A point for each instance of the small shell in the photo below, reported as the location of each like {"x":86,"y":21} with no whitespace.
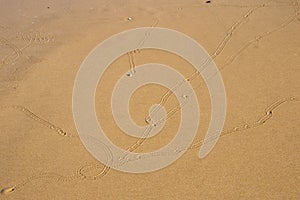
{"x":7,"y":190}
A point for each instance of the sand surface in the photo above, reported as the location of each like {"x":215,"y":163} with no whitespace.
{"x":256,"y":44}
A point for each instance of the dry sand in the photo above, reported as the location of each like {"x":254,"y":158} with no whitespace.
{"x":43,"y":44}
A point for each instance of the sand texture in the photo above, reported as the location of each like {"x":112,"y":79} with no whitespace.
{"x":254,"y":43}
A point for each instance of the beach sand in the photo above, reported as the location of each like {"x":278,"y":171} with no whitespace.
{"x":256,"y":47}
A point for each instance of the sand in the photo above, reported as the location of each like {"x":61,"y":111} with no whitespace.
{"x":256,"y":46}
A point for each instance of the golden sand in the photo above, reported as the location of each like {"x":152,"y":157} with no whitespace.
{"x":256,"y":46}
